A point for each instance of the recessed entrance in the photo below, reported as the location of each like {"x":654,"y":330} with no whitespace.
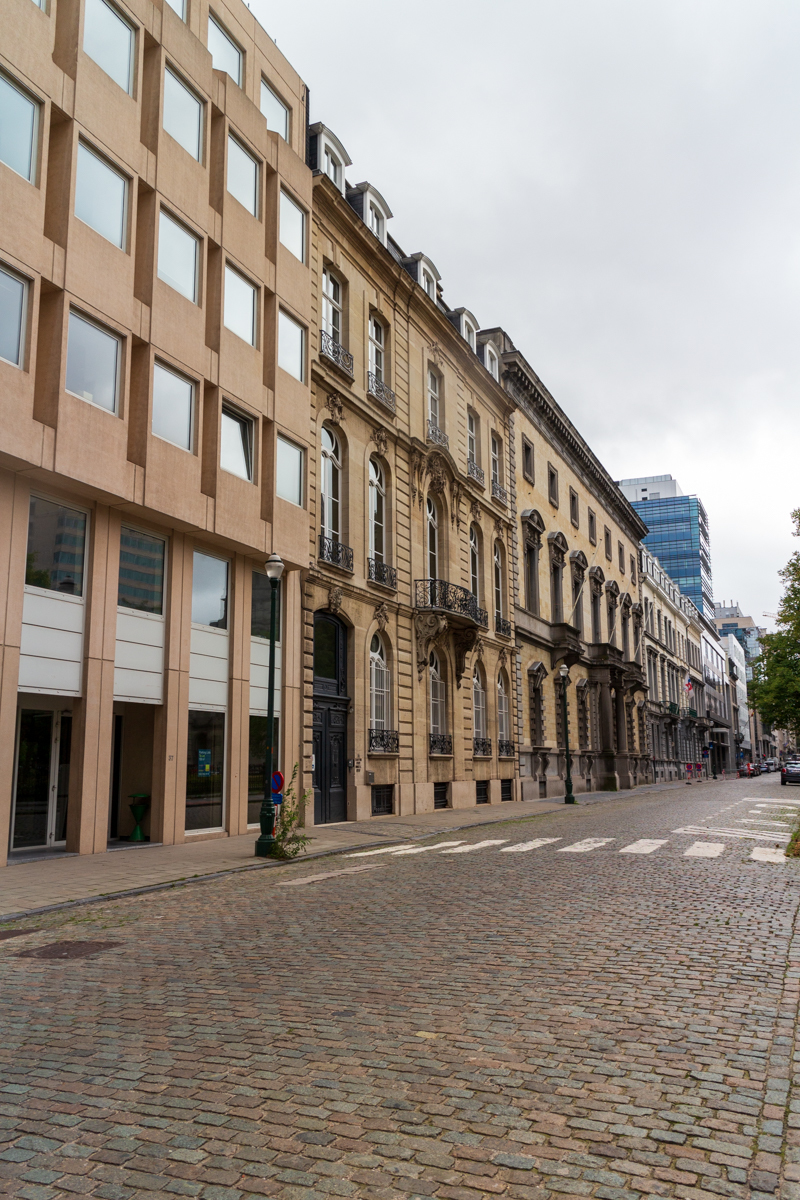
{"x":331,"y":705}
{"x":42,"y":779}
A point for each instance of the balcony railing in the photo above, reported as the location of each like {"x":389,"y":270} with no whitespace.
{"x":502,"y":626}
{"x":475,"y":472}
{"x":437,"y":436}
{"x":335,"y":352}
{"x":505,"y":749}
{"x":381,"y":572}
{"x":482,"y":747}
{"x":499,"y":493}
{"x":336,"y":553}
{"x":438,"y":593}
{"x":384,"y":741}
{"x":441,"y":743}
{"x":377,"y":388}
{"x":673,"y":708}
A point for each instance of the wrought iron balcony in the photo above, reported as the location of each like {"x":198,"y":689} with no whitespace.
{"x":437,"y":436}
{"x":438,"y":593}
{"x":482,"y":747}
{"x":336,"y":553}
{"x":475,"y":472}
{"x":335,"y":352}
{"x":673,"y":708}
{"x":441,"y":743}
{"x":499,"y":493}
{"x":384,"y":741}
{"x":377,"y":388}
{"x":502,"y":626}
{"x":381,"y":572}
{"x":505,"y":749}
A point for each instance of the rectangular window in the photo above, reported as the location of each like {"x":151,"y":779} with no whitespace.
{"x":93,"y":363}
{"x":260,"y":608}
{"x":173,"y":407}
{"x":621,"y":553}
{"x":13,"y":307}
{"x":141,"y":571}
{"x":633,"y":571}
{"x":236,"y":445}
{"x":19,"y":122}
{"x":293,"y":227}
{"x":242,"y":176}
{"x":205,"y":765}
{"x":496,"y":465}
{"x":177,"y":256}
{"x":275,"y":111}
{"x":225,"y":54}
{"x":183,"y":114}
{"x":289,"y":472}
{"x":291,"y":346}
{"x":109,"y":40}
{"x":607,"y":540}
{"x":376,"y":221}
{"x":377,"y":341}
{"x":552,"y":484}
{"x":527,"y":460}
{"x":592,"y":527}
{"x":259,"y":728}
{"x":56,"y":545}
{"x":210,"y":591}
{"x":240,"y":306}
{"x":573,"y":507}
{"x":101,"y":196}
{"x":179,"y":6}
{"x":472,"y":440}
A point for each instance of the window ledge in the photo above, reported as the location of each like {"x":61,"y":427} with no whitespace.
{"x":382,"y":587}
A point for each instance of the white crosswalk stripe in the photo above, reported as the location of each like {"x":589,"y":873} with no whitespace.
{"x":383,"y":850}
{"x":584,"y":846}
{"x":476,"y":846}
{"x":704,"y":850}
{"x":424,"y":849}
{"x":768,"y":854}
{"x":643,"y":846}
{"x":764,"y":835}
{"x":523,"y":847}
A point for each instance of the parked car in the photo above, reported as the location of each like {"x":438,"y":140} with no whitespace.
{"x":748,"y":770}
{"x":790,"y":772}
{"x":772,"y":764}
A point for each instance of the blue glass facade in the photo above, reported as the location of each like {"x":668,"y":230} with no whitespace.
{"x":678,"y":538}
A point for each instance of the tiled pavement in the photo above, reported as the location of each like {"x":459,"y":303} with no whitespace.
{"x":525,"y":1025}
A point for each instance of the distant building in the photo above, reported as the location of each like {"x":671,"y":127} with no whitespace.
{"x":678,"y":535}
{"x":737,"y":678}
{"x":732,"y":623}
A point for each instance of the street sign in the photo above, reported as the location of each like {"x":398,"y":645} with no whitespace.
{"x":277,"y":781}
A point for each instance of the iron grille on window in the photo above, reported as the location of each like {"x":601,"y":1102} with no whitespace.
{"x":475,"y":472}
{"x":335,"y":352}
{"x":506,"y":789}
{"x":441,"y":743}
{"x":499,"y":493}
{"x":502,"y":626}
{"x":482,"y":747}
{"x":438,"y":593}
{"x":437,"y":436}
{"x":381,"y":572}
{"x":481,"y":791}
{"x":383,"y":800}
{"x":505,"y":749}
{"x":384,"y":741}
{"x":440,"y":795}
{"x":334,"y":552}
{"x":377,"y":388}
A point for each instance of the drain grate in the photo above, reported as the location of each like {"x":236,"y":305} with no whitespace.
{"x":62,"y":950}
{"x":9,"y":933}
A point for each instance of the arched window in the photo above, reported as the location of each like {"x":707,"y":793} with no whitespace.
{"x":474,"y":563}
{"x":438,"y":698}
{"x":377,"y":348}
{"x":478,"y":706}
{"x":377,"y":512}
{"x":379,"y":686}
{"x":503,"y":720}
{"x":433,"y":399}
{"x":331,"y":485}
{"x":433,"y":540}
{"x":498,"y":582}
{"x":331,"y":306}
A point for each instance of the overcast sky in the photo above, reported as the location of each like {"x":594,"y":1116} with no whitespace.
{"x":616,"y":183}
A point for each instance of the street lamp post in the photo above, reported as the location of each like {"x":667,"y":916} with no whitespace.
{"x":563,"y":671}
{"x":266,"y":842}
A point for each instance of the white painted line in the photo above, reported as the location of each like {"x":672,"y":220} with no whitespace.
{"x":476,"y":846}
{"x":767,"y":835}
{"x":705,"y":850}
{"x":761,"y":821}
{"x":524,"y":847}
{"x":643,"y":846}
{"x":383,"y":850}
{"x":584,"y":846}
{"x":767,"y":854}
{"x":329,"y":875}
{"x":425,"y":849}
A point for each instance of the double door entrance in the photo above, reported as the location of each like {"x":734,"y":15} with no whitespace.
{"x":330,"y":763}
{"x":42,"y":778}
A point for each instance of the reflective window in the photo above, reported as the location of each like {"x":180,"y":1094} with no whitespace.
{"x":331,"y":306}
{"x":291,"y":346}
{"x":377,"y":340}
{"x":101,"y":195}
{"x":141,"y":571}
{"x":275,"y":111}
{"x":503,"y":722}
{"x":433,"y":398}
{"x":93,"y":359}
{"x":259,"y":739}
{"x":377,"y":511}
{"x":478,"y":705}
{"x":472,"y":442}
{"x":438,"y":696}
{"x":210,"y":590}
{"x":379,"y":686}
{"x":293,"y":227}
{"x":183,"y":114}
{"x":240,"y":306}
{"x":433,"y":540}
{"x":173,"y":407}
{"x":236,"y":445}
{"x":260,"y":608}
{"x":225,"y":54}
{"x":13,"y":294}
{"x":19,"y":119}
{"x":205,"y":764}
{"x":179,"y":7}
{"x":56,"y":545}
{"x":331,"y":484}
{"x":289,"y":471}
{"x":242,"y":176}
{"x":109,"y":40}
{"x":177,"y":256}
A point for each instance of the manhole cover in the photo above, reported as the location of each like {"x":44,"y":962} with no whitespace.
{"x":9,"y":933}
{"x":68,"y":949}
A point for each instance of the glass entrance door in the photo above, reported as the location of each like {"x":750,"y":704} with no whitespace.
{"x":40,"y":803}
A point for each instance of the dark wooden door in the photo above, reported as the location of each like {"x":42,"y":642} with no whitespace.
{"x":330,"y":763}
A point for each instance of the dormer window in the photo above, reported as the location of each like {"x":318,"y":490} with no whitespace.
{"x":467,"y":326}
{"x":470,"y":333}
{"x":429,"y":284}
{"x":332,"y":167}
{"x":327,"y":155}
{"x":492,"y":362}
{"x":376,"y":221}
{"x":370,"y":205}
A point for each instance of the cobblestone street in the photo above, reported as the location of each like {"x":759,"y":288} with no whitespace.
{"x":586,"y":1003}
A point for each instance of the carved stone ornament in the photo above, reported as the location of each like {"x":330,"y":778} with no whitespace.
{"x":334,"y":599}
{"x":498,"y":528}
{"x":379,"y":438}
{"x":537,"y":673}
{"x":463,"y":644}
{"x":381,"y":615}
{"x":416,"y":476}
{"x":475,"y":510}
{"x":478,"y":648}
{"x":429,"y":629}
{"x":435,"y":352}
{"x":335,"y":408}
{"x":455,"y":508}
{"x":436,"y":473}
{"x":502,"y":657}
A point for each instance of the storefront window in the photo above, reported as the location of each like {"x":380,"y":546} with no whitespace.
{"x":205,"y":781}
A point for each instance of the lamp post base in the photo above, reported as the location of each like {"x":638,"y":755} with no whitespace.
{"x":265,"y":846}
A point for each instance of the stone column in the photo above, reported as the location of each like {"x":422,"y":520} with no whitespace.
{"x":607,"y":780}
{"x":623,"y":763}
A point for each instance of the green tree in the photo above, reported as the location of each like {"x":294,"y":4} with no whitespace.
{"x":775,"y":687}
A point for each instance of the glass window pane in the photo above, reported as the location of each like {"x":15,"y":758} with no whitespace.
{"x":56,"y":542}
{"x":204,"y":770}
{"x":235,"y":444}
{"x":325,"y":650}
{"x":173,"y":407}
{"x":179,"y":6}
{"x":17,"y":129}
{"x":92,"y":363}
{"x":12,"y":312}
{"x":240,"y":306}
{"x":293,"y":227}
{"x":259,"y":613}
{"x":183,"y":115}
{"x":259,"y":727}
{"x":100,"y":194}
{"x":291,"y":346}
{"x":242,"y":176}
{"x":109,"y":41}
{"x":289,"y":472}
{"x":275,"y":111}
{"x":141,"y":571}
{"x":177,"y":257}
{"x":225,"y":54}
{"x":210,"y":591}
